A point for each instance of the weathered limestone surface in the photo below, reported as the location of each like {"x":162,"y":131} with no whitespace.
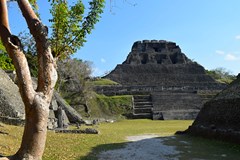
{"x":11,"y":104}
{"x":220,"y":117}
{"x":178,"y":86}
{"x":177,"y":105}
{"x":155,"y":52}
{"x":159,"y":63}
{"x":12,"y":107}
{"x":71,"y":113}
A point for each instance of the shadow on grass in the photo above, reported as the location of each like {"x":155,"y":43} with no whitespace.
{"x":190,"y":147}
{"x":180,"y":147}
{"x":93,"y":155}
{"x":138,"y":149}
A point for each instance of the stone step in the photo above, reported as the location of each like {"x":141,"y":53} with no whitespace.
{"x":142,"y":116}
{"x":142,"y":97}
{"x":143,"y":106}
{"x":142,"y":110}
{"x":142,"y":100}
{"x":142,"y":103}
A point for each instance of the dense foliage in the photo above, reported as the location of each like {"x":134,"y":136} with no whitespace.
{"x":222,"y":75}
{"x":71,"y":24}
{"x":2,"y":48}
{"x":73,"y":81}
{"x":5,"y":61}
{"x":73,"y":74}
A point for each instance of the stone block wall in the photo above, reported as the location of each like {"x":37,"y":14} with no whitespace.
{"x":152,"y":74}
{"x":178,"y":104}
{"x":179,"y":87}
{"x":219,"y":118}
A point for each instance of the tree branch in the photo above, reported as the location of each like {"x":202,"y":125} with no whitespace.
{"x":47,"y":75}
{"x":13,"y":47}
{"x":4,"y":28}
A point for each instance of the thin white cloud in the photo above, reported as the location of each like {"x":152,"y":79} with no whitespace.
{"x":220,"y":52}
{"x":231,"y":57}
{"x":103,"y":60}
{"x":237,"y":37}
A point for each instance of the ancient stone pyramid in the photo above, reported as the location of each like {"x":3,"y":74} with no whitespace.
{"x":160,"y":63}
{"x":176,"y":86}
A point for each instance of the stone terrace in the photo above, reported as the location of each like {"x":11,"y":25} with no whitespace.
{"x":178,"y":86}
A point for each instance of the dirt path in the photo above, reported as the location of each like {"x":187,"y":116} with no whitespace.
{"x":142,"y":147}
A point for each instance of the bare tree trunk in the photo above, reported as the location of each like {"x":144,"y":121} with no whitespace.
{"x":36,"y":102}
{"x":35,"y":131}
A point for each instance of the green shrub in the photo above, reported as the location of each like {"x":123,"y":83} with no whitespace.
{"x":221,"y":75}
{"x":6,"y":62}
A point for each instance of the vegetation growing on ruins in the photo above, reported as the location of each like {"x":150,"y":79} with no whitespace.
{"x":221,"y":75}
{"x":103,"y":82}
{"x":110,"y":106}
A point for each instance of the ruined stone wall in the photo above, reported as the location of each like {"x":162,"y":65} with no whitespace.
{"x":159,"y":68}
{"x":219,"y":118}
{"x":159,"y":63}
{"x":155,"y":52}
{"x":177,"y":104}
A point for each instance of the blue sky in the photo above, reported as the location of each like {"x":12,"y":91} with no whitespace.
{"x":207,"y":31}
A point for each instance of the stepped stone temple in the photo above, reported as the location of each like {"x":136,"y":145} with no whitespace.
{"x":164,"y":82}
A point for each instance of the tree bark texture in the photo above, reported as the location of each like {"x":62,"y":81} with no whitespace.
{"x":36,"y":101}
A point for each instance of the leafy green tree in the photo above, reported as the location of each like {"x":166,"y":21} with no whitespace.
{"x":222,"y":75}
{"x":69,"y":29}
{"x":37,"y":101}
{"x":73,"y":82}
{"x":73,"y":74}
{"x":70,"y":26}
{"x":2,"y":48}
{"x":5,"y":61}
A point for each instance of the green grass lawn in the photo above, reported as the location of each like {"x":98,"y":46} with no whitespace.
{"x":103,"y":82}
{"x":78,"y":146}
{"x":85,"y":147}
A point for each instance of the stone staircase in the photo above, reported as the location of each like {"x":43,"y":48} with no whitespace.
{"x":142,"y":106}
